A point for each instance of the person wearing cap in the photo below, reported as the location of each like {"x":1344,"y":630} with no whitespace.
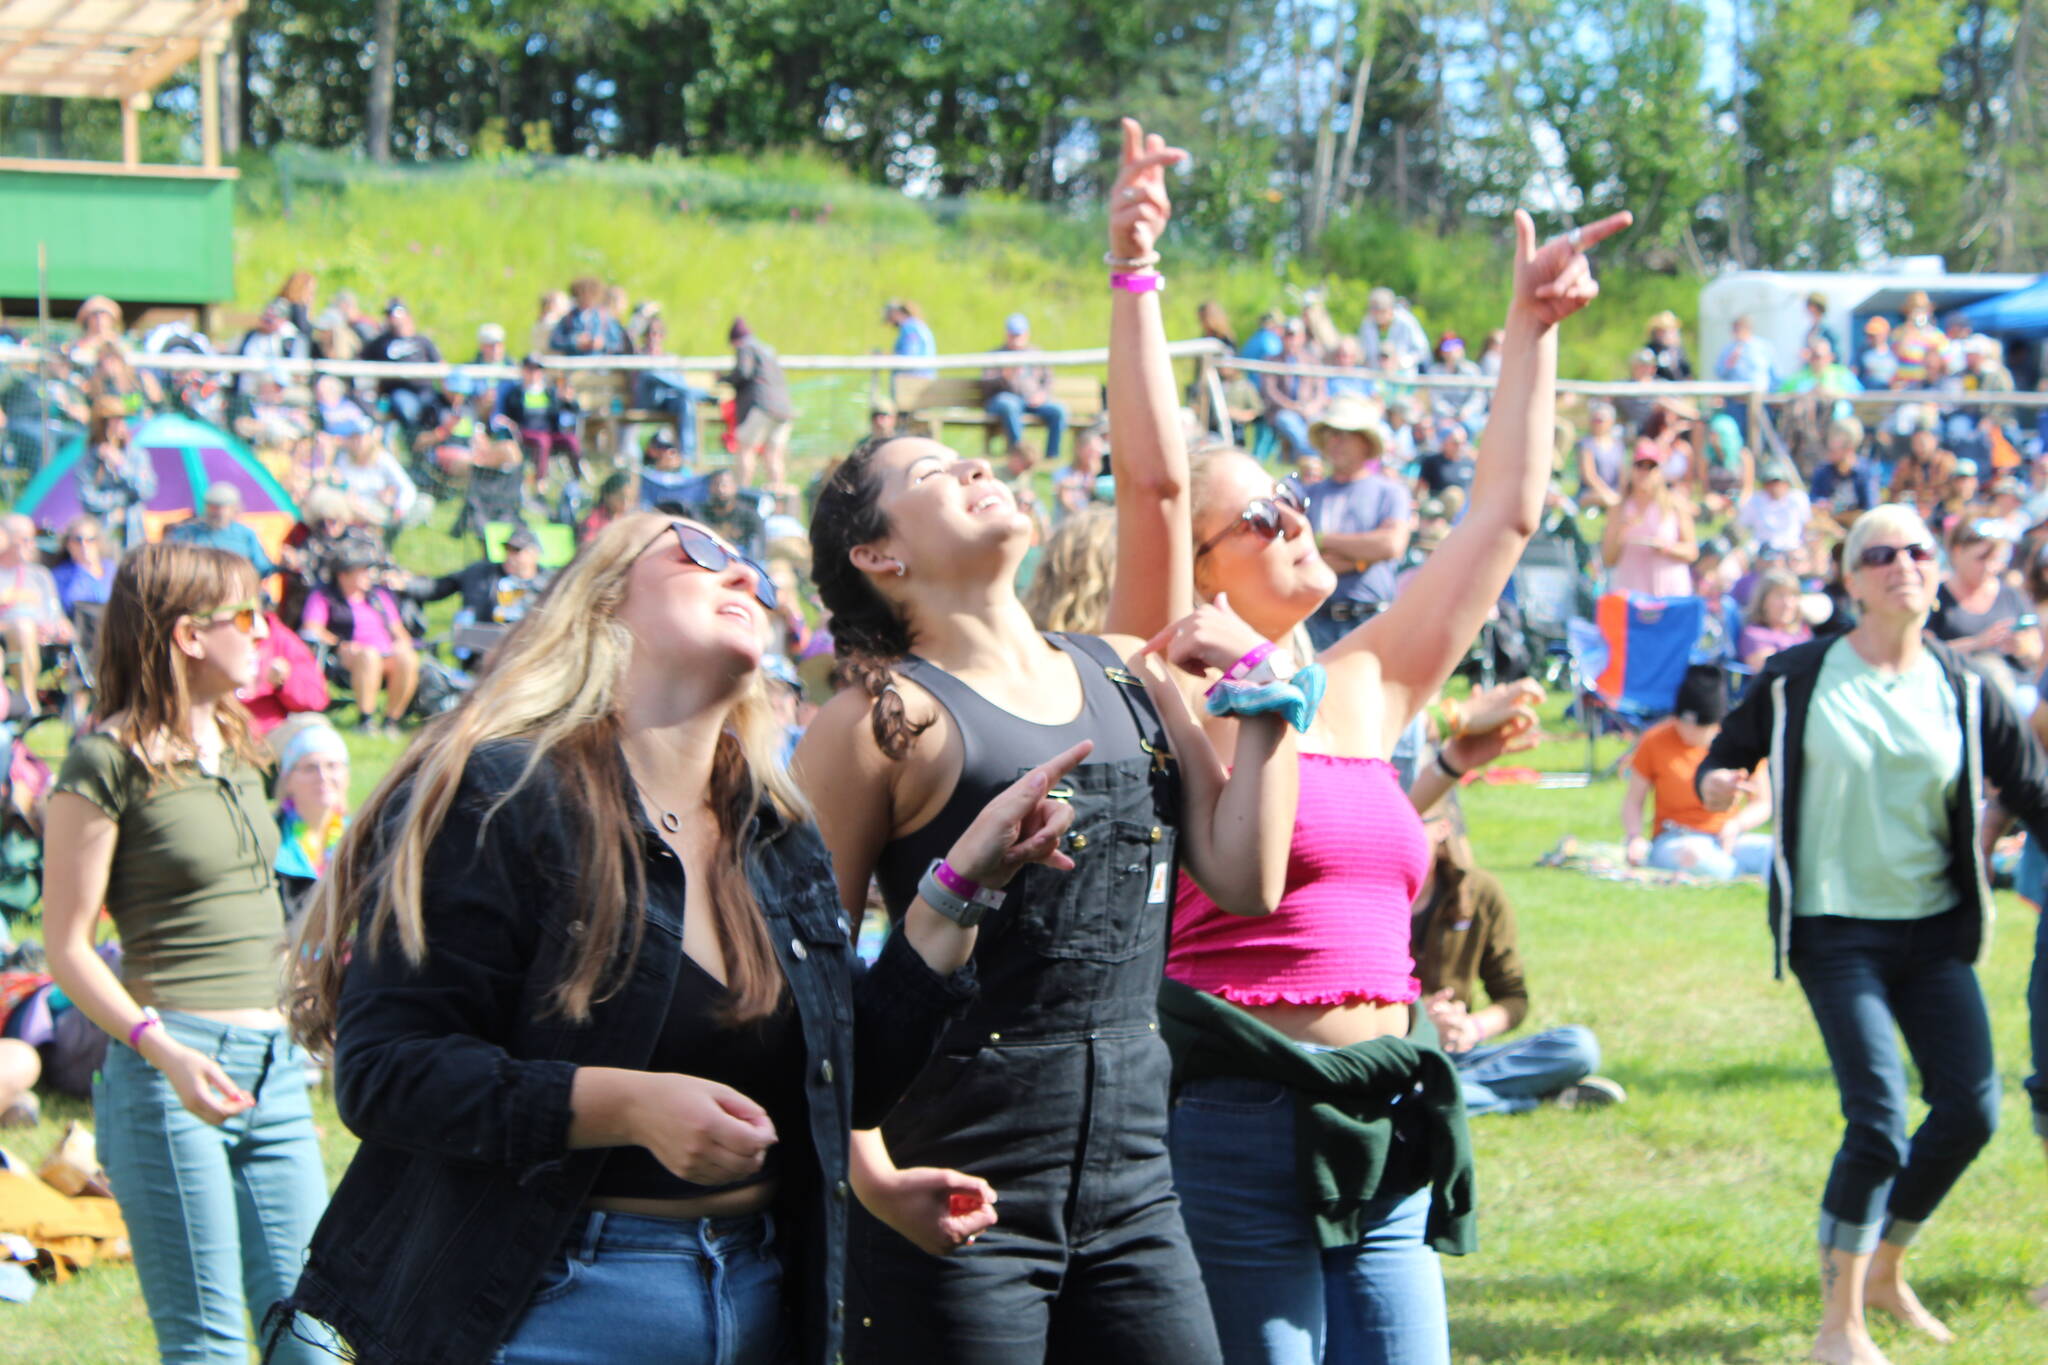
{"x":913,"y":336}
{"x":219,"y":526}
{"x":99,"y":327}
{"x":413,"y":401}
{"x":1845,"y":484}
{"x":1958,"y":499}
{"x":1667,"y":343}
{"x":360,"y":620}
{"x":667,"y":484}
{"x":1914,"y":340}
{"x":1776,"y":514}
{"x":490,"y":345}
{"x":1011,"y":393}
{"x":1266,"y":340}
{"x":547,"y":416}
{"x":761,"y":410}
{"x":1817,"y":324}
{"x":491,"y":593}
{"x":1452,"y":465}
{"x":1979,"y":614}
{"x":1389,"y":337}
{"x":1876,"y":366}
{"x":1465,"y":406}
{"x":272,"y":338}
{"x":1292,"y":400}
{"x":312,"y":808}
{"x":1360,"y":516}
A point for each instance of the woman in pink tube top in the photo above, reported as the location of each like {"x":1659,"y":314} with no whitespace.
{"x":1317,"y":1136}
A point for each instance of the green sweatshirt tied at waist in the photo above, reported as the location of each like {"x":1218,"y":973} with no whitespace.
{"x":1343,"y":1126}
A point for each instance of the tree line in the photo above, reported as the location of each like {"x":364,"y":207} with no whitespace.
{"x":1769,"y":133}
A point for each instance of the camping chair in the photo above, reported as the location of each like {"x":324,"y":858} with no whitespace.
{"x":1548,"y":586}
{"x":1628,"y":661}
{"x":494,"y":495}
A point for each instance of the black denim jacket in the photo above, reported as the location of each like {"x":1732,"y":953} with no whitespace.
{"x":456,"y":1077}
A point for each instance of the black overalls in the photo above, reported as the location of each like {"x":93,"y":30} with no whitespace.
{"x":1053,"y":1088}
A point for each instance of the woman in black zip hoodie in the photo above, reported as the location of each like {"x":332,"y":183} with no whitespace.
{"x":1881,"y":743}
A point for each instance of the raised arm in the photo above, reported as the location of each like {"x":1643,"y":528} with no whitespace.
{"x":1147,"y":456}
{"x":1431,"y":624}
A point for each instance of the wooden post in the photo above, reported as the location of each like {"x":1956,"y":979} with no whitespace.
{"x":209,"y":105}
{"x":131,"y":131}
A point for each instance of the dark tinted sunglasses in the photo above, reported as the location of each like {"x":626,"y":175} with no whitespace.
{"x":1878,"y":556}
{"x":1263,"y":515}
{"x":707,"y":552}
{"x":1648,"y":464}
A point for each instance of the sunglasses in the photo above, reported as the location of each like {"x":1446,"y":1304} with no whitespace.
{"x":245,"y":614}
{"x":1878,"y":556}
{"x":707,"y":552}
{"x":1263,"y":515}
{"x":1648,"y":464}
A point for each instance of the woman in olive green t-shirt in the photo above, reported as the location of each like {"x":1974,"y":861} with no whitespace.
{"x":158,"y":814}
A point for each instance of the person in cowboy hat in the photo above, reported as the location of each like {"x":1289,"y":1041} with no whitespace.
{"x":1360,"y":515}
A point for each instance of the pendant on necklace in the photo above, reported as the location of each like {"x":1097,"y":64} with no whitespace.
{"x":671,"y":822}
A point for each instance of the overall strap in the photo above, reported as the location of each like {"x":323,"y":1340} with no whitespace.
{"x":1130,"y":687}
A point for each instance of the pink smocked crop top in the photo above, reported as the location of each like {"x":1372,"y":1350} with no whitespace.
{"x":1340,"y":933}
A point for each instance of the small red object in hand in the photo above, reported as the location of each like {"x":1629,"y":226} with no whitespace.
{"x":960,"y":1203}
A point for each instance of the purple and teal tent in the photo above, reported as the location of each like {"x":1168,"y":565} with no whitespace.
{"x":188,"y":456}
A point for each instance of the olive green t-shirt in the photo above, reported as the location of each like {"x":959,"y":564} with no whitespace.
{"x":191,"y":887}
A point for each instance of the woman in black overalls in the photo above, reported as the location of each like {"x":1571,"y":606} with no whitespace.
{"x":1053,"y":1090}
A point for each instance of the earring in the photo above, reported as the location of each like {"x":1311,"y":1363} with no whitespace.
{"x":901,"y":568}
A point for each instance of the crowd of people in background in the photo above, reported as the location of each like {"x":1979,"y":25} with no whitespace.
{"x":1315,"y":504}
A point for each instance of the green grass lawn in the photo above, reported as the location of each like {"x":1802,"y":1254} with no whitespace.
{"x":1676,"y":1228}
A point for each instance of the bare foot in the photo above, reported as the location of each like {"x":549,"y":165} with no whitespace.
{"x":1897,"y":1298}
{"x":1846,"y":1346}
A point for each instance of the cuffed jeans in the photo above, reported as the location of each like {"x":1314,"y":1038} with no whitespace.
{"x":1864,"y":979}
{"x":1683,"y":850}
{"x":1514,"y":1077}
{"x":624,"y":1289}
{"x":1010,"y":409}
{"x":219,"y":1217}
{"x":1280,"y":1298}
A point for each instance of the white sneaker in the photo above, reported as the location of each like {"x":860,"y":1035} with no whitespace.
{"x":1594,"y":1092}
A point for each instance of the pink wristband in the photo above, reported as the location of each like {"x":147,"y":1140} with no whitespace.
{"x":148,"y":1021}
{"x":1137,"y":281}
{"x":954,"y":882}
{"x":1255,"y":656}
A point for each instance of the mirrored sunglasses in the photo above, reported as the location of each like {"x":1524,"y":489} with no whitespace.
{"x":707,"y":552}
{"x":1263,"y":515}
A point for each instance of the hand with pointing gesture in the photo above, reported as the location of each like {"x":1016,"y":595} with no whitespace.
{"x":1554,"y":281}
{"x":1208,"y":639}
{"x":1022,"y":825}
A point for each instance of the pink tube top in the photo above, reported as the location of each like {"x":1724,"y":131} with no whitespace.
{"x":1340,"y":933}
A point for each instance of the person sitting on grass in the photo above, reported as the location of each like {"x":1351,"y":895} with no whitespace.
{"x":492,"y":593}
{"x":1464,"y":933}
{"x":360,"y":619}
{"x":1687,"y":836}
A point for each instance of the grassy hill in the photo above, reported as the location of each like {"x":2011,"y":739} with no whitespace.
{"x":807,"y":254}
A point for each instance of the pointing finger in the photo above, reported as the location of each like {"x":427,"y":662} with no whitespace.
{"x":1592,"y":234}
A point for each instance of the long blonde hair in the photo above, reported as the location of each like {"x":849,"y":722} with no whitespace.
{"x":554,"y":682}
{"x":1070,"y":590}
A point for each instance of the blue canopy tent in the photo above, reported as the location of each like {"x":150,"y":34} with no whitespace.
{"x":2022,"y":313}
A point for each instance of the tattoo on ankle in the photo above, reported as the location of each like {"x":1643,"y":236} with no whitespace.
{"x":1828,"y":1273}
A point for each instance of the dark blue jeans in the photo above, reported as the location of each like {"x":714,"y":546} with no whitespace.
{"x":2033,"y":884}
{"x":1010,"y":409}
{"x":1870,"y":981}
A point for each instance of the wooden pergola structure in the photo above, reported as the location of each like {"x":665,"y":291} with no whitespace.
{"x":119,"y":50}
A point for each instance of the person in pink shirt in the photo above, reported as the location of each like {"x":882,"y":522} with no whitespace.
{"x":288,"y":679}
{"x":360,"y":618}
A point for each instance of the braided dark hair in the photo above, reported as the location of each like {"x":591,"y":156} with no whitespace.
{"x":868,"y":632}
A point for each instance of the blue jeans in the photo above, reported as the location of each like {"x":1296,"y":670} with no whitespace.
{"x":1682,"y":850}
{"x":1278,"y":1297}
{"x":1513,"y":1078}
{"x":1292,"y":429}
{"x":1869,"y":981}
{"x":682,"y":1291}
{"x":676,"y":396}
{"x":1010,"y":409}
{"x":2033,"y":884}
{"x":219,"y":1217}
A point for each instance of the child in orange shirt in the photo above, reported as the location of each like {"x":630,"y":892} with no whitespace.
{"x":1686,"y":836}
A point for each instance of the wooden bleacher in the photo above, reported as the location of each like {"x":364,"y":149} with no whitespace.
{"x":606,"y":398}
{"x":932,"y":405}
